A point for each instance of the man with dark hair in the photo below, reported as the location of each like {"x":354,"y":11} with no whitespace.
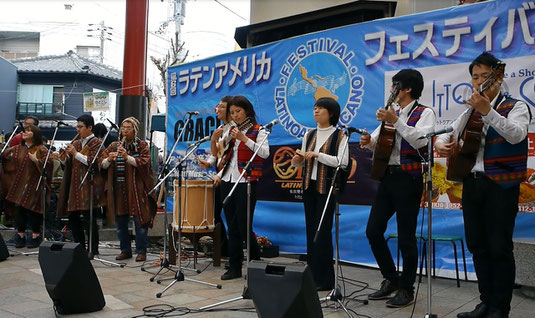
{"x":401,"y":187}
{"x":73,"y":200}
{"x":491,"y":188}
{"x":28,"y":121}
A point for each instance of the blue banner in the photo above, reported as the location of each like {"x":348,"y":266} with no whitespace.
{"x":354,"y":65}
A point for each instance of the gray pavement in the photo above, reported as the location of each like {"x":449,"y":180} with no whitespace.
{"x":128,"y":290}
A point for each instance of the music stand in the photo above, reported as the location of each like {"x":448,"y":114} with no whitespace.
{"x":429,"y":184}
{"x":335,"y":294}
{"x":247,"y":169}
{"x":165,"y":261}
{"x":90,"y":173}
{"x":179,"y":275}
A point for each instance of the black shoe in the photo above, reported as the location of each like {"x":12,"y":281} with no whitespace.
{"x":387,"y":288}
{"x":403,"y":298}
{"x":231,"y":274}
{"x":479,"y":312}
{"x":20,"y":242}
{"x":496,"y":313}
{"x":34,"y":242}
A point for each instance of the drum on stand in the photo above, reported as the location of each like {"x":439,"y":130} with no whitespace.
{"x":197,"y":205}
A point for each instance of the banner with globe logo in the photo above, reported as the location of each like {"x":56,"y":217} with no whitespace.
{"x":354,"y":65}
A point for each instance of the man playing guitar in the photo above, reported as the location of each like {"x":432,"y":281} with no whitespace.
{"x":401,"y":186}
{"x":491,"y":187}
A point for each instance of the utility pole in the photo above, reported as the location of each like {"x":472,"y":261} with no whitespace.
{"x":103,"y":33}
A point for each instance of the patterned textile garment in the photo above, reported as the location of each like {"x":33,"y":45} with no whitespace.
{"x":71,"y":197}
{"x":131,"y":196}
{"x":23,"y":188}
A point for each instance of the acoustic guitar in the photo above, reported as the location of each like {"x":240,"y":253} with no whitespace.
{"x":385,"y":142}
{"x":223,"y":144}
{"x":227,"y":150}
{"x":464,"y":156}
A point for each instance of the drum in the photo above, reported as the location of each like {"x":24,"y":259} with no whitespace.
{"x":197,"y":198}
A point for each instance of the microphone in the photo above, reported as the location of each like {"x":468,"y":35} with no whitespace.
{"x":60,"y":123}
{"x":444,"y":130}
{"x":113,"y":125}
{"x":355,"y":130}
{"x":205,"y":139}
{"x":193,"y":113}
{"x":270,"y":124}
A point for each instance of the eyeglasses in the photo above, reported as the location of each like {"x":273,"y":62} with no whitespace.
{"x":127,"y":128}
{"x":80,"y":126}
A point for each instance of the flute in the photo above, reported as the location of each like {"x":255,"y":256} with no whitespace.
{"x":63,"y":152}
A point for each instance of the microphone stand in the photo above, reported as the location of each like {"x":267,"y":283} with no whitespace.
{"x":247,"y":169}
{"x":336,"y":294}
{"x":90,"y":173}
{"x":429,"y":184}
{"x":179,"y":275}
{"x":6,"y":145}
{"x":165,"y":261}
{"x":43,"y":180}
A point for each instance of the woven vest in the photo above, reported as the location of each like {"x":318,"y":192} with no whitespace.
{"x":505,"y":163}
{"x":245,"y":154}
{"x":410,"y":160}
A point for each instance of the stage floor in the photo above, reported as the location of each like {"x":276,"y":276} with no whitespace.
{"x":128,"y":290}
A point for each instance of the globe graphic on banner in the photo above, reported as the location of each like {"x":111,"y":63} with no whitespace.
{"x":319,"y":75}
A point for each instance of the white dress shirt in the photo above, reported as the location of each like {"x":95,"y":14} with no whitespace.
{"x":232,"y":173}
{"x":423,"y":126}
{"x":79,"y":156}
{"x":514,"y":128}
{"x":332,"y":161}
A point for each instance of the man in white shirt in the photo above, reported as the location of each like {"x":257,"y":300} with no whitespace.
{"x":401,"y":187}
{"x":491,"y":189}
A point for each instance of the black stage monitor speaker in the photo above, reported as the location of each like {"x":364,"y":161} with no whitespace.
{"x":70,"y":279}
{"x":283,"y":291}
{"x":4,"y":253}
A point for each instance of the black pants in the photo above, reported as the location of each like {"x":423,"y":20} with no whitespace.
{"x":218,"y":209}
{"x":398,"y":193}
{"x":236,"y":215}
{"x":25,"y":215}
{"x":489,"y":220}
{"x":320,"y":253}
{"x":77,"y":228}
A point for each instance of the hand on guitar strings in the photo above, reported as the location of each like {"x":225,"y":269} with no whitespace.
{"x":387,"y":115}
{"x":446,"y":149}
{"x":238,"y":134}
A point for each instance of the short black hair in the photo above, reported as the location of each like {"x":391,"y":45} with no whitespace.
{"x":484,"y":58}
{"x":100,"y":130}
{"x":410,"y":78}
{"x":226,"y":99}
{"x":332,"y":106}
{"x":242,"y":102}
{"x":87,"y":120}
{"x":35,"y":120}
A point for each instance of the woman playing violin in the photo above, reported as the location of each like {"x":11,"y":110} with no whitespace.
{"x":246,"y":139}
{"x":28,"y":158}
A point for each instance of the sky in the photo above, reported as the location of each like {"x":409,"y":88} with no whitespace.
{"x":208,"y":26}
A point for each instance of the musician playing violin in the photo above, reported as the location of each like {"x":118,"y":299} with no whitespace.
{"x":217,"y":137}
{"x":28,"y":158}
{"x":73,"y":200}
{"x":491,"y":189}
{"x":401,"y":187}
{"x":247,"y":137}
